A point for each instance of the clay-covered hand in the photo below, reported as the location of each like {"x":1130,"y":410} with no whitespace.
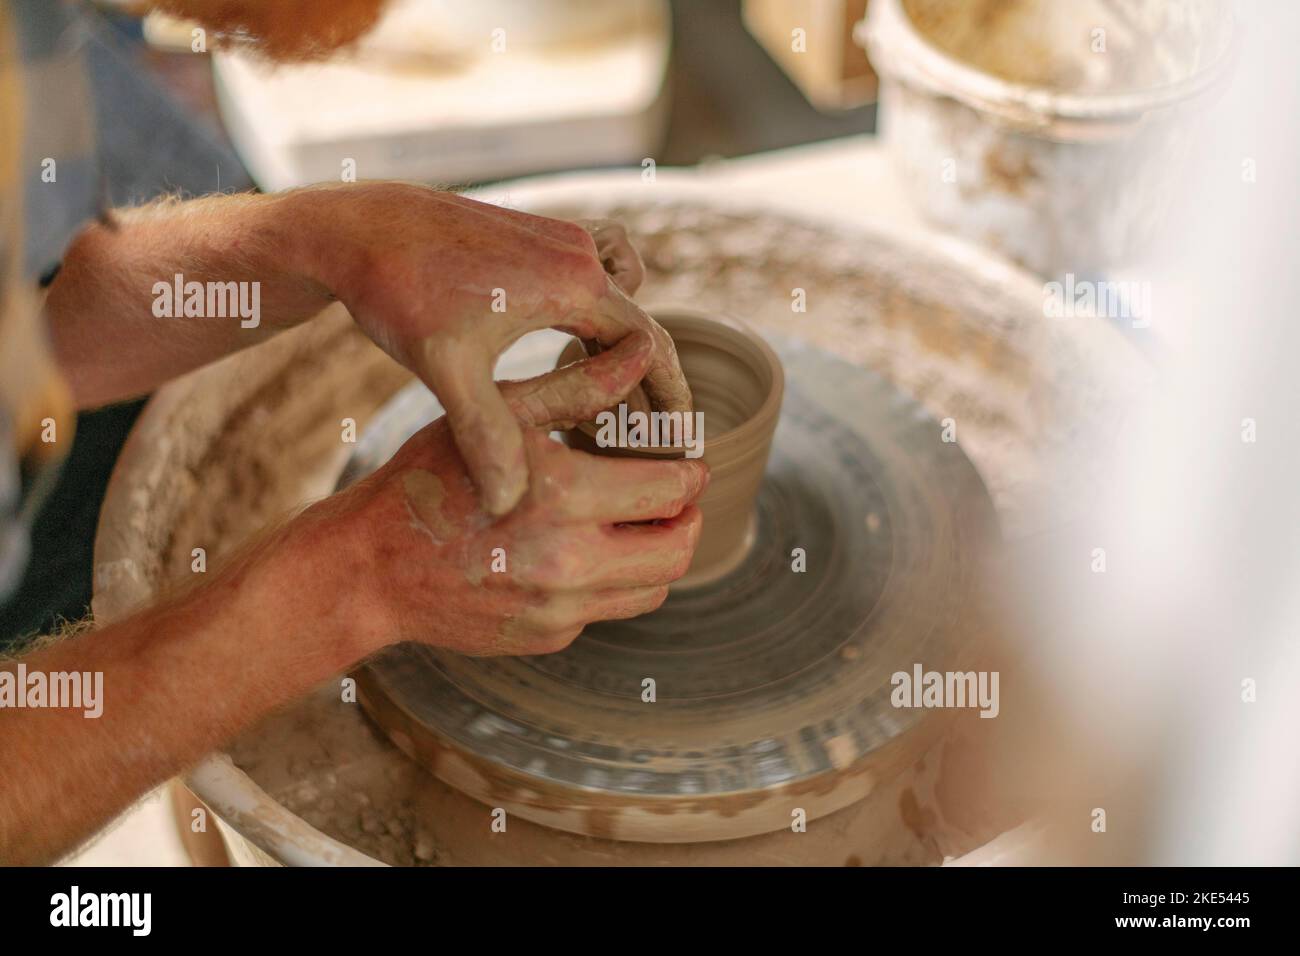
{"x":444,"y":284}
{"x":443,"y":571}
{"x":617,"y":255}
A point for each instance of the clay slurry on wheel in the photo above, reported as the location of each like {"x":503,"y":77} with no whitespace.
{"x":771,"y":685}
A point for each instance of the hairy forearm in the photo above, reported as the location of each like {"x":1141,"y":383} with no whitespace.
{"x":120,"y":330}
{"x":178,"y":680}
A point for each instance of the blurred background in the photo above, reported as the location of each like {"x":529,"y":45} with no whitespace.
{"x":683,"y":82}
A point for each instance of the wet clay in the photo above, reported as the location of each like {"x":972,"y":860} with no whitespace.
{"x":424,"y":496}
{"x":737,"y":384}
{"x":1083,"y":46}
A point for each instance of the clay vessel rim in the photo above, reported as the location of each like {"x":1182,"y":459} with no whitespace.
{"x":744,"y":432}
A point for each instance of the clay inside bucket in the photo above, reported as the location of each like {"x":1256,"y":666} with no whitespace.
{"x":737,"y":384}
{"x":1085,"y":46}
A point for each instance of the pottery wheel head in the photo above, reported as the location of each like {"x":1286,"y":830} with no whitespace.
{"x":740,"y":702}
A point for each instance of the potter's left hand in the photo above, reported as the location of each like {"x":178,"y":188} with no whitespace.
{"x":595,"y":538}
{"x":444,"y":284}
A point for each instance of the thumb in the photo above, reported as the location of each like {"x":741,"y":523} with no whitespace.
{"x":579,"y":392}
{"x":636,"y":398}
{"x":487,"y":434}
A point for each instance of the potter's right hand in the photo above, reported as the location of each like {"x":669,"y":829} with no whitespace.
{"x":579,"y":547}
{"x":444,"y":284}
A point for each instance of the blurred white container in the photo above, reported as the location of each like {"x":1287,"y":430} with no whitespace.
{"x":442,"y":95}
{"x":1047,"y":130}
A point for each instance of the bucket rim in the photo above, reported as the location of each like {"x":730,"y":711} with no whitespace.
{"x":900,"y":52}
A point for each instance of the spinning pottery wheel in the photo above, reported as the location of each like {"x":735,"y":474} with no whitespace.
{"x":771,"y":686}
{"x":858,"y":477}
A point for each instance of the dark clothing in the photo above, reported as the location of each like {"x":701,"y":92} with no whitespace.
{"x":117,"y":139}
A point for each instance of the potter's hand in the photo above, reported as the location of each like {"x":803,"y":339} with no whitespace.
{"x":446,"y":573}
{"x":617,"y":255}
{"x":444,"y":284}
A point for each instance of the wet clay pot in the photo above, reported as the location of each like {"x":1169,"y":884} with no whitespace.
{"x":737,"y":384}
